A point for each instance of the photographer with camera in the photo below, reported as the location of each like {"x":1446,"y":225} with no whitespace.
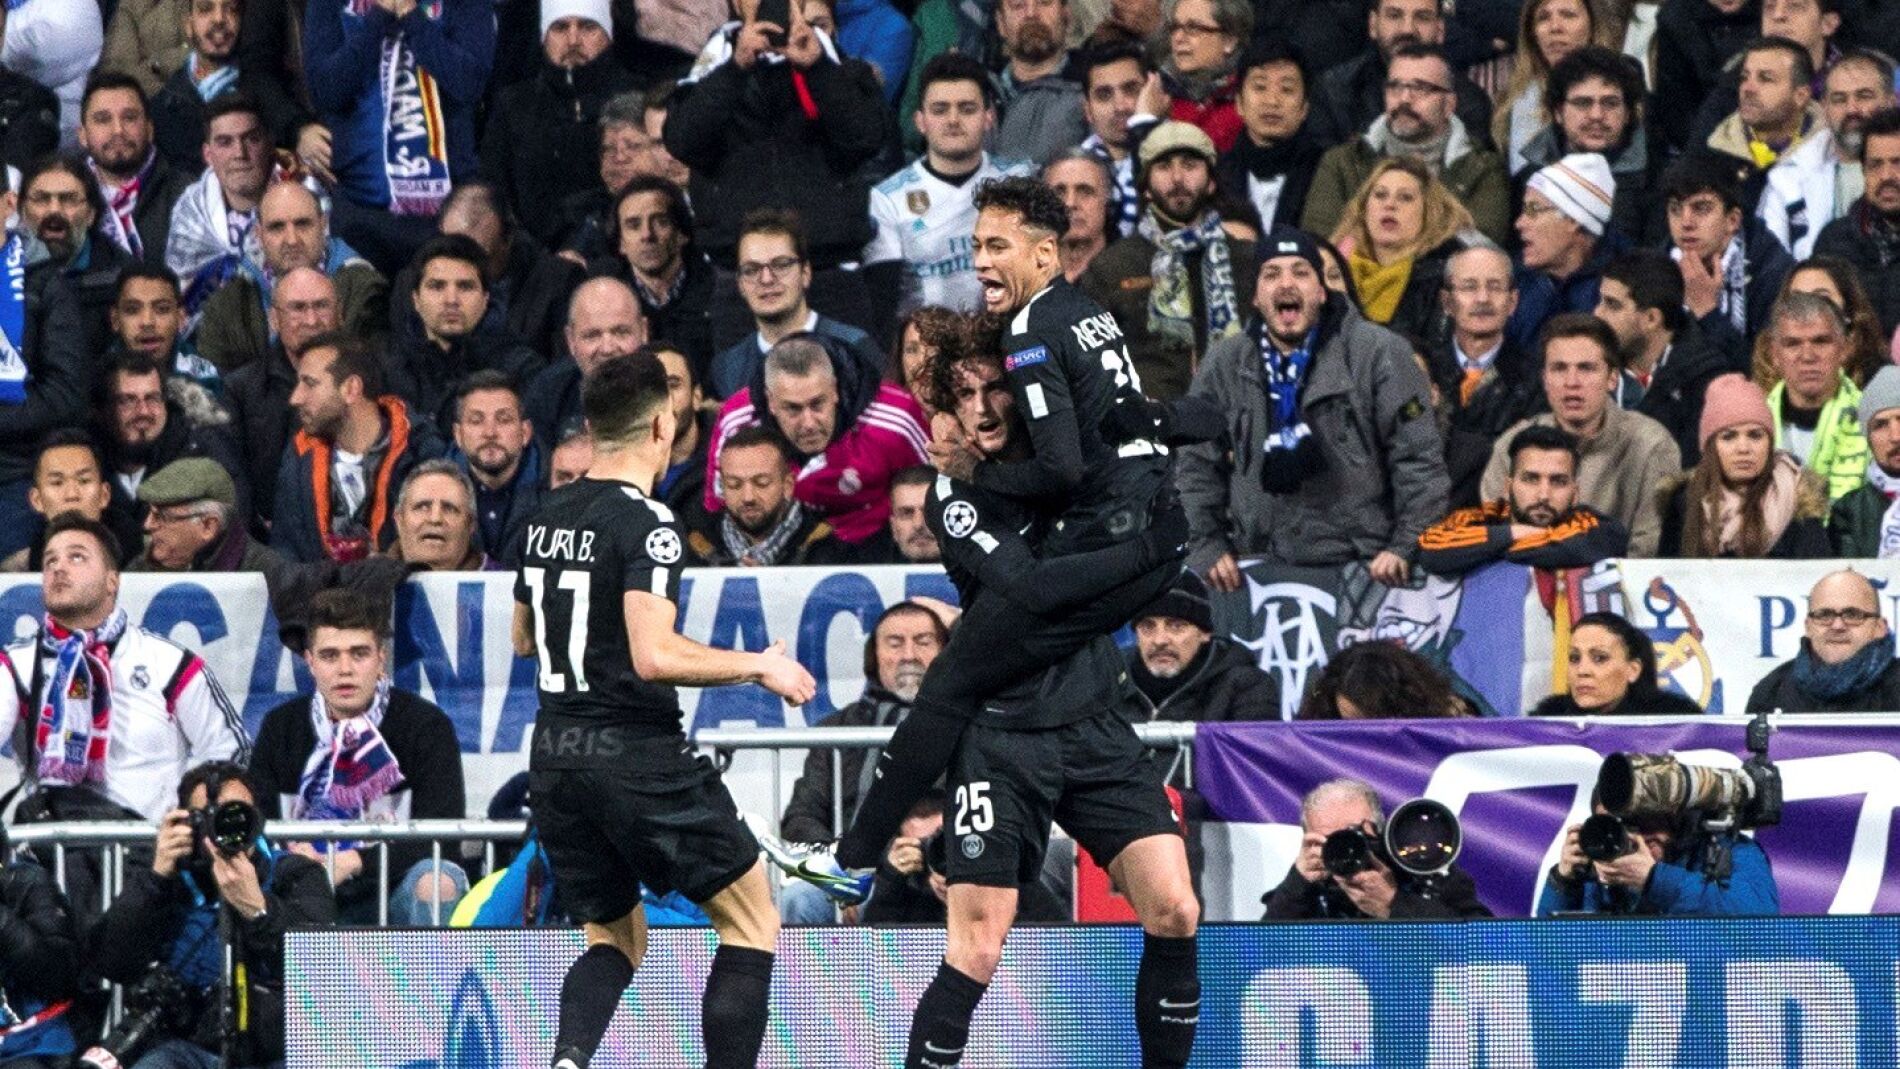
{"x":1359,"y":882}
{"x":208,"y":916}
{"x":39,"y":965}
{"x":1656,"y":873}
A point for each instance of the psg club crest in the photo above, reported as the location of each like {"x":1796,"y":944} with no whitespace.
{"x":918,"y":201}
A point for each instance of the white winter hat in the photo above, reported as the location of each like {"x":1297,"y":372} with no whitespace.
{"x":598,"y":12}
{"x":1580,"y":186}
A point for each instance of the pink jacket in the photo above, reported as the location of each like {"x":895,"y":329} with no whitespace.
{"x":850,"y":482}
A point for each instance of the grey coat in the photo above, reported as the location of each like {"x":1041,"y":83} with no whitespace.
{"x":1369,"y":407}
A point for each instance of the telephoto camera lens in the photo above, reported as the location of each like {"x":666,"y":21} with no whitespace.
{"x":1604,"y":838}
{"x":1346,"y":852}
{"x":1423,"y":837}
{"x":234,"y":826}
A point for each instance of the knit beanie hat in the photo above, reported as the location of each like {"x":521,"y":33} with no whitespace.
{"x":1186,"y":600}
{"x":1288,"y":241}
{"x":1882,"y":393}
{"x":1580,"y":186}
{"x":1732,"y":400}
{"x":599,"y":12}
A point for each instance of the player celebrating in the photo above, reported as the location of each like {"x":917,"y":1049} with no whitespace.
{"x":620,"y":799}
{"x":1057,"y":747}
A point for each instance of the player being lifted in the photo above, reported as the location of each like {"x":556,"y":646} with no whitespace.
{"x":1084,"y":485}
{"x":1057,"y":746}
{"x":620,"y":798}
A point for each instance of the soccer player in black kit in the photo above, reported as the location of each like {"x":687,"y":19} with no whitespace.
{"x":620,"y":797}
{"x":1086,"y":487}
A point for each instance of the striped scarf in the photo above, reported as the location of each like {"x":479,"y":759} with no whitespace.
{"x":1170,"y":304}
{"x":351,"y":767}
{"x":76,"y":708}
{"x":13,"y":321}
{"x":767,"y":550}
{"x":120,"y":225}
{"x":415,"y":131}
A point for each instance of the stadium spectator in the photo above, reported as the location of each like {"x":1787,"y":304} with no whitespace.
{"x":1732,"y":268}
{"x":1563,"y":245}
{"x":1846,"y":662}
{"x":1351,"y":94}
{"x":603,"y":321}
{"x":573,"y":453}
{"x":1381,"y":681}
{"x":1112,"y":80}
{"x":208,"y":68}
{"x":451,"y":332}
{"x":61,"y":205}
{"x":1745,"y":498}
{"x":1272,"y":163}
{"x":1668,"y":357}
{"x":148,"y":419}
{"x":1199,"y":73}
{"x":907,"y":890}
{"x":907,"y":539}
{"x":39,"y":960}
{"x":1775,"y":115}
{"x":903,"y":642}
{"x":217,"y":213}
{"x":495,"y":446}
{"x":147,"y":39}
{"x":660,"y":260}
{"x":1355,"y":479}
{"x":139,"y":187}
{"x":1662,"y":874}
{"x":921,"y":253}
{"x":68,"y":475}
{"x":1595,"y":102}
{"x":1838,"y":281}
{"x":1186,"y":672}
{"x":1086,"y":185}
{"x":148,"y":318}
{"x":435,"y":520}
{"x":355,"y":447}
{"x":1695,"y":39}
{"x":1538,"y":523}
{"x":396,"y":139}
{"x":775,"y":278}
{"x":828,"y":405}
{"x":360,"y":749}
{"x":1042,"y":84}
{"x":303,"y":308}
{"x":626,"y":151}
{"x":1623,"y":456}
{"x":1858,"y":86}
{"x":292,"y":232}
{"x":762,"y":523}
{"x":1486,"y":382}
{"x":1397,"y":232}
{"x":1418,"y":121}
{"x":170,"y":914}
{"x":1858,"y":522}
{"x":124,"y":740}
{"x":192,"y":523}
{"x":541,"y":140}
{"x":1175,"y":285}
{"x":1868,"y":234}
{"x":29,"y":120}
{"x":1548,"y":33}
{"x":805,"y":118}
{"x":1813,"y":185}
{"x":1815,"y":404}
{"x":920,"y":337}
{"x":1611,"y":671}
{"x":55,"y":45}
{"x":1310,"y":892}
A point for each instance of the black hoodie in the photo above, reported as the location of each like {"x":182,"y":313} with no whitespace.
{"x":542,"y":143}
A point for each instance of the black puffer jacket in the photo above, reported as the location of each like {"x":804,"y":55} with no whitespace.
{"x":750,"y":145}
{"x":59,"y":369}
{"x":1224,"y":683}
{"x":543,"y":138}
{"x":39,"y":943}
{"x":1778,"y":690}
{"x":258,"y":398}
{"x":29,"y":119}
{"x":1694,"y":40}
{"x":1674,"y":397}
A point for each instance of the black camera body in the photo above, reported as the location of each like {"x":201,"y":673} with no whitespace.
{"x":1604,"y":837}
{"x":1422,"y":839}
{"x":231,"y":826}
{"x":158,"y":1005}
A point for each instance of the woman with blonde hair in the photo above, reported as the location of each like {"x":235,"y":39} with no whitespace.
{"x":1548,"y":31}
{"x":1838,"y":281}
{"x":1396,"y":235}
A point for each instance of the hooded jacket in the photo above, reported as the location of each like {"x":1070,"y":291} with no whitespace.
{"x":1677,"y":388}
{"x":1474,"y":175}
{"x":1694,"y":41}
{"x":302,"y":523}
{"x":542,"y":142}
{"x":880,"y":431}
{"x":742,"y":362}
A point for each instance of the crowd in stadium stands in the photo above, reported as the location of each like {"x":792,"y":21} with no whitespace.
{"x":310,"y":292}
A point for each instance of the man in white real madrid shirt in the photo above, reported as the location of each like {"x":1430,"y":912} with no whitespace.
{"x":922,"y":253}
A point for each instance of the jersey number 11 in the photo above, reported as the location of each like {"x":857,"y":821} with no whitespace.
{"x":557,"y":666}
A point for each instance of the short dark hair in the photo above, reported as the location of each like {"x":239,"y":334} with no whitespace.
{"x":72,"y":165}
{"x":354,"y":359}
{"x":1798,"y":57}
{"x":677,"y":210}
{"x":1701,"y":172}
{"x":232,"y":102}
{"x":781,"y":221}
{"x":133,"y":364}
{"x":68,"y":438}
{"x":73,"y":521}
{"x":106,"y":80}
{"x":1549,"y":439}
{"x":1882,"y":123}
{"x":620,"y":394}
{"x":1038,"y":205}
{"x":1580,"y":325}
{"x":344,"y":609}
{"x":1596,"y":61}
{"x":915,"y":475}
{"x":1654,"y":281}
{"x":756,"y":435}
{"x":139,"y":270}
{"x":212,"y":776}
{"x":1420,"y":50}
{"x":957,"y":67}
{"x":900,"y":608}
{"x":1881,"y":62}
{"x":656,"y":346}
{"x":481,"y":381}
{"x":490,"y":195}
{"x":458,"y":247}
{"x":1268,"y":51}
{"x":1093,"y":59}
{"x":1635,"y":643}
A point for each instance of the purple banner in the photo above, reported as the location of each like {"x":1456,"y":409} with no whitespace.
{"x":1518,"y":784}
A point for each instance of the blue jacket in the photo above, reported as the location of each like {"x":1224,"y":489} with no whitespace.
{"x":1677,"y":891}
{"x":878,"y":34}
{"x":1539,"y":296}
{"x":453,"y":40}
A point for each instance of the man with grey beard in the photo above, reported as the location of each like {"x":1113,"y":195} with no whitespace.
{"x":1186,"y":672}
{"x":903,"y":642}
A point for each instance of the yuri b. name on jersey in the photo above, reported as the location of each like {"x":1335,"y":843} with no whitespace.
{"x":560,"y":543}
{"x":1096,"y":331}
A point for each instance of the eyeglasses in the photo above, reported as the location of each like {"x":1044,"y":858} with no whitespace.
{"x":1195,"y":29}
{"x":1850,"y":617}
{"x":1414,"y":89}
{"x":1609,"y":102}
{"x":778,"y":268}
{"x":1533,"y":210}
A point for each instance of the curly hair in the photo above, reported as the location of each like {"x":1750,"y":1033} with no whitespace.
{"x":936,"y":327}
{"x":978,"y":342}
{"x":1385,"y":681}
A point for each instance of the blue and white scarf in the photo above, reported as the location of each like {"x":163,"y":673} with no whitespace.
{"x":1170,"y":304}
{"x":13,"y":374}
{"x":415,"y":131}
{"x":210,"y":84}
{"x":351,"y":766}
{"x":1285,"y":374}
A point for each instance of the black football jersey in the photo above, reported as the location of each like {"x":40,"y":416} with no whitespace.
{"x":589,"y":544}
